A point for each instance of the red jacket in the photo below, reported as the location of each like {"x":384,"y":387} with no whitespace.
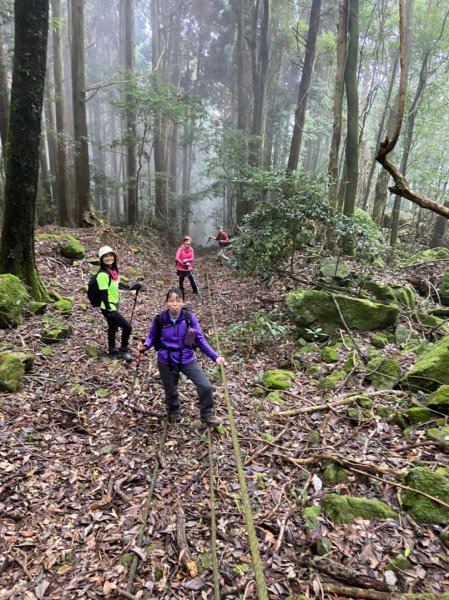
{"x":184,"y":253}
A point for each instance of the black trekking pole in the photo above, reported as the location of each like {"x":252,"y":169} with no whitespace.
{"x":196,"y":285}
{"x":134,"y":307}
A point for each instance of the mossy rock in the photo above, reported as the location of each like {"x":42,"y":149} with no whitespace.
{"x":402,"y":335}
{"x":383,"y":411}
{"x":430,"y":320}
{"x":314,"y":438}
{"x":278,"y":379}
{"x":46,"y":351}
{"x":312,"y":309}
{"x":443,"y":287}
{"x":71,"y":248}
{"x":398,"y":563}
{"x":275,"y":397}
{"x":363,"y":401}
{"x":346,"y":509}
{"x":439,"y":434}
{"x":382,"y":373}
{"x":12,"y":371}
{"x":331,"y":380}
{"x":314,"y":370}
{"x":27,"y":360}
{"x":333,"y":473}
{"x":416,"y":346}
{"x":439,"y":400}
{"x":430,"y":370}
{"x":308,"y":348}
{"x":37,"y":308}
{"x":56,"y":332}
{"x":64,"y":306}
{"x":431,"y":254}
{"x":92,"y":351}
{"x":379,"y":340}
{"x":310,"y":516}
{"x":333,"y":271}
{"x":13,"y":298}
{"x":329,"y":354}
{"x":391,"y":293}
{"x":420,"y":508}
{"x":413,"y":416}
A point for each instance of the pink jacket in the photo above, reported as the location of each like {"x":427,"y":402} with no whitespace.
{"x":184,"y":253}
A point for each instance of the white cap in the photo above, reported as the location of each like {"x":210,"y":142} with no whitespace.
{"x":106,"y":250}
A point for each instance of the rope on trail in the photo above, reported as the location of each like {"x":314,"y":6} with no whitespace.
{"x":262,"y":592}
{"x":213,"y":522}
{"x":146,"y":512}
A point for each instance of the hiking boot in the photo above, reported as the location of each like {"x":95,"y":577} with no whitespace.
{"x":125,"y":355}
{"x":211,"y":420}
{"x":174,"y":416}
{"x":113,"y":352}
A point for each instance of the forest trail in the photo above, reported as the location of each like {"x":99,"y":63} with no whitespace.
{"x":79,"y":445}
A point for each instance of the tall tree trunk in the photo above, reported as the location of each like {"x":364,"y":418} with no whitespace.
{"x":352,"y":135}
{"x":62,"y":178}
{"x":4,"y":95}
{"x":306,"y":77}
{"x":160,"y":133}
{"x":409,"y":30}
{"x":260,"y":57}
{"x":240,"y":65}
{"x":82,"y":171}
{"x":130,"y":116}
{"x":22,"y":165}
{"x":49,"y":129}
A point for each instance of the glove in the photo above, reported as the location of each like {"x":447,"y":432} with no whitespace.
{"x":186,"y":263}
{"x":136,"y":286}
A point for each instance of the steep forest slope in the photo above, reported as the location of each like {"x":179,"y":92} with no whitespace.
{"x":79,"y":446}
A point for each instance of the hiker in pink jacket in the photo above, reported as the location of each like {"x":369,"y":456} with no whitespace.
{"x":184,"y":265}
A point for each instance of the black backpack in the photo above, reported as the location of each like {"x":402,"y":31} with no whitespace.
{"x":93,"y":291}
{"x":189,"y":340}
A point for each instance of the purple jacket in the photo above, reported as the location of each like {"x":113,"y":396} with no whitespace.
{"x":172,"y":338}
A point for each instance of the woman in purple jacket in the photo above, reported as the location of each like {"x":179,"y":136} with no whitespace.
{"x":173,"y":339}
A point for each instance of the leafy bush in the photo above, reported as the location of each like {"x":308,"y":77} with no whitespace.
{"x":262,"y":329}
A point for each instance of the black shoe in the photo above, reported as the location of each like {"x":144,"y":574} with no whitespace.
{"x":174,"y":416}
{"x":211,"y":420}
{"x":125,"y":355}
{"x":113,"y":352}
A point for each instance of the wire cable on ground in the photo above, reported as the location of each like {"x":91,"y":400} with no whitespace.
{"x":262,"y":592}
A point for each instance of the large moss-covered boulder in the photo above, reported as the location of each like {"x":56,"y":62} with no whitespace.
{"x":413,"y":416}
{"x":431,"y":369}
{"x":12,"y":370}
{"x":428,"y":255}
{"x":278,"y":379}
{"x":13,"y":297}
{"x":391,"y":293}
{"x":439,"y":400}
{"x":312,"y":309}
{"x":71,"y":248}
{"x":346,"y":509}
{"x":420,"y":508}
{"x":382,"y":372}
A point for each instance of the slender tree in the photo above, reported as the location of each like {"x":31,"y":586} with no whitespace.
{"x":82,"y":171}
{"x":352,"y":131}
{"x":62,"y":179}
{"x":306,"y":77}
{"x":22,"y":166}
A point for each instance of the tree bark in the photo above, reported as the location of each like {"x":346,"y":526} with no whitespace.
{"x":62,"y":178}
{"x":22,"y":164}
{"x":352,"y":135}
{"x":130,"y":114}
{"x":82,"y":171}
{"x":306,"y":77}
{"x":4,"y":95}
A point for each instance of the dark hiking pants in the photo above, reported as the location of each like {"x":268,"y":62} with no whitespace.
{"x":193,"y":371}
{"x":117,"y":321}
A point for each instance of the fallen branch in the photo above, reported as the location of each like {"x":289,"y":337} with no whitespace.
{"x":354,"y":592}
{"x":343,"y":573}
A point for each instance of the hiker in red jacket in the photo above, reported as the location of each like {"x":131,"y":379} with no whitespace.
{"x":184,"y":265}
{"x":222,"y":237}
